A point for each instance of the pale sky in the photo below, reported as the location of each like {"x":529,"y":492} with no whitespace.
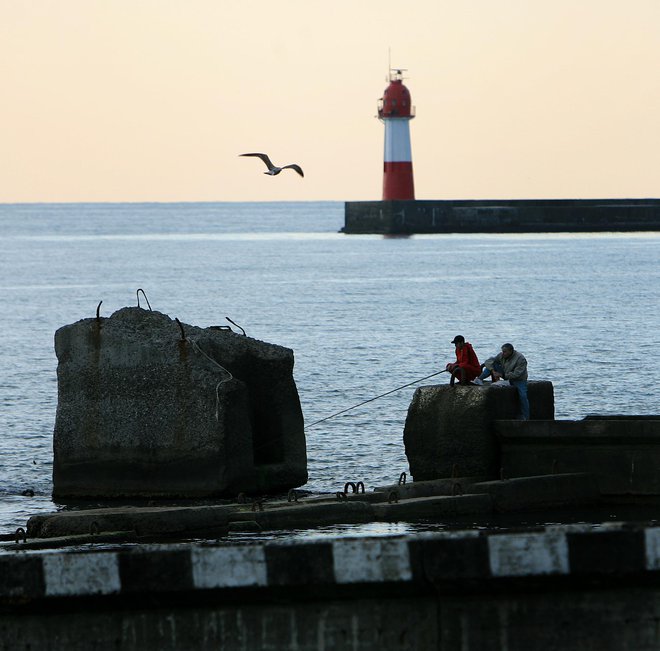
{"x":153,"y":100}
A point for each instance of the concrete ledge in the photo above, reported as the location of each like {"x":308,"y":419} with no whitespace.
{"x":442,"y":499}
{"x":544,"y":491}
{"x":144,"y":521}
{"x":434,"y":508}
{"x":623,"y":453}
{"x":432,"y":487}
{"x":301,"y":516}
{"x":423,"y":560}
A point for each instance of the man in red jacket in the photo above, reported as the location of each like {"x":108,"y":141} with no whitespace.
{"x":466,"y":367}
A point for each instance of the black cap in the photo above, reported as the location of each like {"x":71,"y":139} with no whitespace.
{"x":458,"y":339}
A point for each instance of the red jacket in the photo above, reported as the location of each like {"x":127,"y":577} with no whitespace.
{"x":466,"y":358}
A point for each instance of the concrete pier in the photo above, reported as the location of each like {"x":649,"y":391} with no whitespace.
{"x":559,"y":587}
{"x":501,"y":216}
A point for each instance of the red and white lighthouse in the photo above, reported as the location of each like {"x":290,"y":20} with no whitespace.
{"x":395,"y":111}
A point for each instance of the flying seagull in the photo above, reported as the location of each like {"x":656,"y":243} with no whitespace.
{"x":273,"y":169}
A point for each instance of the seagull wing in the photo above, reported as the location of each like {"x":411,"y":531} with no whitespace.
{"x":264,"y":158}
{"x":293,"y":166}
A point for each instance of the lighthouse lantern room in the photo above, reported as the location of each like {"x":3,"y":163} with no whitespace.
{"x":395,"y":110}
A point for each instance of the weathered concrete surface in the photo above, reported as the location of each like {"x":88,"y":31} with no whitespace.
{"x":438,"y":508}
{"x":180,"y":521}
{"x":449,"y":430}
{"x":560,"y":587}
{"x":302,"y":516}
{"x":432,"y":487}
{"x":144,"y":413}
{"x":541,"y":492}
{"x":622,"y":453}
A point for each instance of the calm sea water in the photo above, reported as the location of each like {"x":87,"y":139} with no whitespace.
{"x":363,"y":314}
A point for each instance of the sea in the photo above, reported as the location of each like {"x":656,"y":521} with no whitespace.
{"x":364,"y":315}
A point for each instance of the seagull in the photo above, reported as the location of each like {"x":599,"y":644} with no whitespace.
{"x":273,"y":169}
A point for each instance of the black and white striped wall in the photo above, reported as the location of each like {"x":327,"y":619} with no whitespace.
{"x":416,"y":561}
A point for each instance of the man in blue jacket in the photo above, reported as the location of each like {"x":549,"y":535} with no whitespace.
{"x":512,"y":366}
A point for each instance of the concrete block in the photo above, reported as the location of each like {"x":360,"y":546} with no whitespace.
{"x":449,"y":430}
{"x":145,"y":521}
{"x":148,"y":408}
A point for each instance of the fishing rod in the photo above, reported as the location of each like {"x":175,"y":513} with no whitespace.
{"x":421,"y":379}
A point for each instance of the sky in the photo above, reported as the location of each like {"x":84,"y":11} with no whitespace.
{"x":153,"y":100}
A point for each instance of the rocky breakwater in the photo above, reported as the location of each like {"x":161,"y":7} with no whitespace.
{"x":150,"y":407}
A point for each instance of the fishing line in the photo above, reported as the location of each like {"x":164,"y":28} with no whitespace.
{"x":376,"y":398}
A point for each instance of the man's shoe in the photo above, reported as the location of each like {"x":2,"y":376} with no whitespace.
{"x":477,"y":381}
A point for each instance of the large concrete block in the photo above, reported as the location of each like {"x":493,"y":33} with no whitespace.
{"x":148,"y":409}
{"x":449,"y":430}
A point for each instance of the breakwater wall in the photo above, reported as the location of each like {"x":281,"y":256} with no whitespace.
{"x":622,"y":453}
{"x":501,"y":216}
{"x":568,"y":587}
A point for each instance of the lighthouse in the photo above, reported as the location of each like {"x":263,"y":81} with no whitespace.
{"x":395,"y":111}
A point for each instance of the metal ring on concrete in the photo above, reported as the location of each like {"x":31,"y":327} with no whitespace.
{"x":350,"y":484}
{"x":402,"y":478}
{"x":20,"y":533}
{"x":393,"y":496}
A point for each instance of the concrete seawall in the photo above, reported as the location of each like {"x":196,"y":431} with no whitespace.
{"x":622,"y":453}
{"x":502,"y":216}
{"x":568,"y":587}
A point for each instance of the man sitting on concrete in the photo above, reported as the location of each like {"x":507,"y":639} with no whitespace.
{"x":512,"y":366}
{"x":466,"y":367}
